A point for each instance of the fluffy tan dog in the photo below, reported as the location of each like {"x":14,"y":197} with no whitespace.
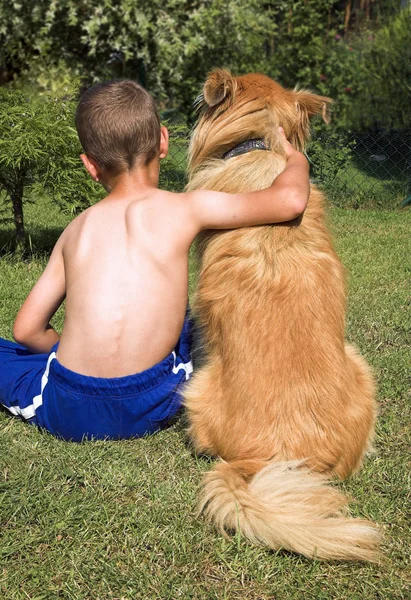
{"x":281,"y":399}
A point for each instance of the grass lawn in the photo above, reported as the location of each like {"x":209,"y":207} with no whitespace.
{"x":116,"y":520}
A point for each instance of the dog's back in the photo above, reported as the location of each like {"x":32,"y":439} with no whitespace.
{"x":279,"y":382}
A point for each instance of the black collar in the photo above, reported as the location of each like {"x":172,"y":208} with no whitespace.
{"x":244,"y":147}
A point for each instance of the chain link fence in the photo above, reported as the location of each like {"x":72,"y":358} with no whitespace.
{"x":356,"y":170}
{"x":366,"y":170}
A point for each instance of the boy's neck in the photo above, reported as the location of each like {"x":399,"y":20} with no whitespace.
{"x":139,"y":179}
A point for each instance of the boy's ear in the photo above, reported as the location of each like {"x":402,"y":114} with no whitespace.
{"x":91,"y":166}
{"x":307,"y":105}
{"x":163,"y":142}
{"x":220,"y":85}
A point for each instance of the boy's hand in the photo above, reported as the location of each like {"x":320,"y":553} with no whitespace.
{"x":289,"y":149}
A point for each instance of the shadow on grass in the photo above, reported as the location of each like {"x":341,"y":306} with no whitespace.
{"x":384,"y":156}
{"x":40,"y":242}
{"x":363,"y":170}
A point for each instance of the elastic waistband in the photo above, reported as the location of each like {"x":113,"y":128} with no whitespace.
{"x":113,"y":386}
{"x":178,"y":363}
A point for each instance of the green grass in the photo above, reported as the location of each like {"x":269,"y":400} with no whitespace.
{"x":111,"y":520}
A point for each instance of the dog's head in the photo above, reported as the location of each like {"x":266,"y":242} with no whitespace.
{"x":235,"y":109}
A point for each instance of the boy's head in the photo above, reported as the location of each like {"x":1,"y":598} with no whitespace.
{"x":118,"y":126}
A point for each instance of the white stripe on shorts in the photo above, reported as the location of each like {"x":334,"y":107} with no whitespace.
{"x":29,"y":411}
{"x":188,"y":367}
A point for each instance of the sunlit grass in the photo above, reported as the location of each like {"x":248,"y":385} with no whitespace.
{"x":111,"y":520}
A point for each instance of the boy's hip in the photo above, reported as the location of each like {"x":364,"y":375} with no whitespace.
{"x":76,"y":407}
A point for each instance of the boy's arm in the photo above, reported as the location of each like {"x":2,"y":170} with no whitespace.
{"x":285,"y":200}
{"x":31,"y":327}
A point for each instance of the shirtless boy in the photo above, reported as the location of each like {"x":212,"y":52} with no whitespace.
{"x":122,"y":267}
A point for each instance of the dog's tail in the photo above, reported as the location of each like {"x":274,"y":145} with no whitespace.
{"x":288,"y":506}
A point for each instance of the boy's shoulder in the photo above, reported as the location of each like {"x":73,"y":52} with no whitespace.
{"x":167,"y":215}
{"x":71,"y":231}
{"x":157,"y":200}
{"x":79,"y":220}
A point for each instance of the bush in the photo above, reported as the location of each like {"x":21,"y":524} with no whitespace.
{"x":328,"y":155}
{"x":383,"y":98}
{"x":368,"y":76}
{"x":173,"y":169}
{"x":39,"y":153}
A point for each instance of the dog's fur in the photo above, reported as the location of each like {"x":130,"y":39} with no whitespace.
{"x":281,"y":399}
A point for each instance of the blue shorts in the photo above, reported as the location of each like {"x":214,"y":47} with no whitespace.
{"x":76,"y":407}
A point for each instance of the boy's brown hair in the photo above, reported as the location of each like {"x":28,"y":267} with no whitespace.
{"x":118,"y":125}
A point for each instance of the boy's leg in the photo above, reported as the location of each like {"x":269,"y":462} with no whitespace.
{"x":21,"y":375}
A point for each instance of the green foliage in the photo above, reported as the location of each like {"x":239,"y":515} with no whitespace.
{"x":170,"y":45}
{"x":39,"y":153}
{"x":173,"y":169}
{"x":167,"y":45}
{"x":327,"y":160}
{"x":384,"y":77}
{"x":304,"y":33}
{"x":369,"y":77}
{"x":337,"y":78}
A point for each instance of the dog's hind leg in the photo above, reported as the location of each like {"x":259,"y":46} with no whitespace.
{"x":362,"y":411}
{"x":202,"y":400}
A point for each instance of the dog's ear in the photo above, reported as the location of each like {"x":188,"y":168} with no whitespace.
{"x":308,"y":105}
{"x":220,"y":85}
{"x":312,"y":104}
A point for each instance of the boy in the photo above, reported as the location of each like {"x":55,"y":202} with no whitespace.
{"x":122,"y":266}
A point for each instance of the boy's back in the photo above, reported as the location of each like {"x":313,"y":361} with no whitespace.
{"x":126,"y":271}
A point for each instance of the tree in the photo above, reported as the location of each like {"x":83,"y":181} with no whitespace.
{"x":170,"y":45}
{"x":384,"y":88}
{"x":166,"y":45}
{"x":39,"y":153}
{"x":369,"y":75}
